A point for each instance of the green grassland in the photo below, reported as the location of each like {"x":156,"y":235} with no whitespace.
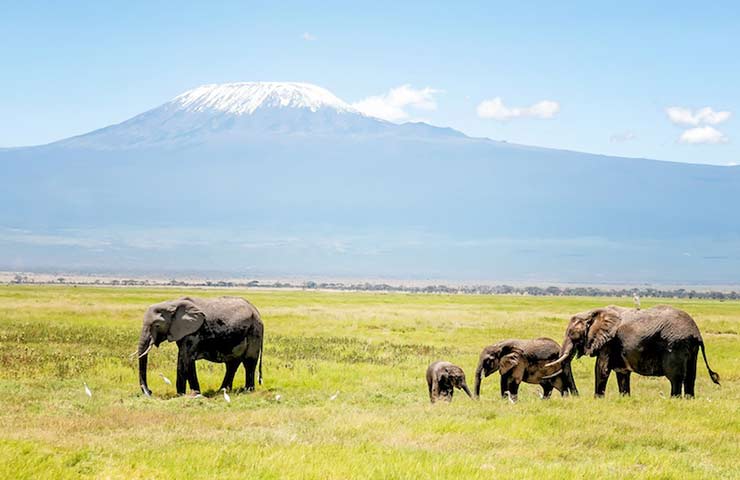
{"x":371,"y":348}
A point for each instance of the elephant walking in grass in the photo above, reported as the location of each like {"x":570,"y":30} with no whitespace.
{"x":660,"y":342}
{"x":443,"y":378}
{"x":224,"y":330}
{"x":525,"y":361}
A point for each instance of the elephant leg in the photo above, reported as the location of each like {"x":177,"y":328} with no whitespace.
{"x":505,"y":384}
{"x":676,"y":384}
{"x":514,"y":390}
{"x":231,"y":368}
{"x":623,"y":381}
{"x":546,"y":390}
{"x":560,"y":383}
{"x":193,"y":377}
{"x":180,"y":382}
{"x":601,"y":374}
{"x":690,"y":378}
{"x":250,"y":364}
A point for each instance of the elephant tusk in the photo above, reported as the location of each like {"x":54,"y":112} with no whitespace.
{"x":558,"y":361}
{"x":151,"y":344}
{"x":553,"y":374}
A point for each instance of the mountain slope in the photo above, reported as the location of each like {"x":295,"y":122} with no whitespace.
{"x":284,"y":180}
{"x":241,"y":112}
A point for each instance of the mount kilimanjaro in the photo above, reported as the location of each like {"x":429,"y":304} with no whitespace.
{"x":268,"y":178}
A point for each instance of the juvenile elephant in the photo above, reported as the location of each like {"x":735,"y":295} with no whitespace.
{"x":443,"y":378}
{"x":660,"y":341}
{"x":224,"y":330}
{"x":525,"y":361}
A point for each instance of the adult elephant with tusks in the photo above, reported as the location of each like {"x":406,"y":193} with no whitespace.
{"x":224,"y":330}
{"x":524,"y":361}
{"x":660,"y":341}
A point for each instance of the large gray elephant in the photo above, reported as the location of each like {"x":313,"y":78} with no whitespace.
{"x":524,"y":361}
{"x":443,"y":378}
{"x":660,"y":341}
{"x":224,"y":330}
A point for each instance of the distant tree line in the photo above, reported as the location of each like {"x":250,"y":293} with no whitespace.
{"x":552,"y":291}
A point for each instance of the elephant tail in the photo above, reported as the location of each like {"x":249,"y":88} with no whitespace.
{"x":262,"y":343}
{"x":712,"y":374}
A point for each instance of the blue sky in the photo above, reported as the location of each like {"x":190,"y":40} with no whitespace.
{"x":589,"y":76}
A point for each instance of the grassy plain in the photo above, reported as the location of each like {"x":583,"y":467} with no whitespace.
{"x":371,"y":348}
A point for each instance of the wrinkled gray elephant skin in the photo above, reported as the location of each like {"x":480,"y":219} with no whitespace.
{"x":520,"y":361}
{"x":659,"y":342}
{"x":443,"y":378}
{"x":224,"y":330}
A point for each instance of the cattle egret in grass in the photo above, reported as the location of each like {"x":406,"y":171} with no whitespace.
{"x":87,"y":390}
{"x":334,"y":397}
{"x":278,"y":397}
{"x":636,"y":298}
{"x":165,"y":379}
{"x":508,"y":395}
{"x":226,"y":396}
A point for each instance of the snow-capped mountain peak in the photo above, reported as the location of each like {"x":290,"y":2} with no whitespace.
{"x":234,"y":113}
{"x":246,"y":97}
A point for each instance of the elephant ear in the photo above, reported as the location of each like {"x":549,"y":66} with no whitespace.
{"x":509,"y":361}
{"x":603,"y":328}
{"x":186,"y":319}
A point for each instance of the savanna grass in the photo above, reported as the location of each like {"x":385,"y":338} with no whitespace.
{"x":371,"y":348}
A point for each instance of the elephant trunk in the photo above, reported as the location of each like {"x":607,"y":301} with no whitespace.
{"x":566,"y":352}
{"x":465,"y":389}
{"x":478,"y":379}
{"x":145,"y":344}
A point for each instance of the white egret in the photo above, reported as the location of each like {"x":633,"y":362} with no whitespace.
{"x":278,"y":397}
{"x":87,"y":390}
{"x":165,"y":379}
{"x":226,"y":396}
{"x":508,"y":395}
{"x":334,"y":397}
{"x":636,"y":299}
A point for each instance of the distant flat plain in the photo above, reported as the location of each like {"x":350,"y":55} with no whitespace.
{"x":368,"y":351}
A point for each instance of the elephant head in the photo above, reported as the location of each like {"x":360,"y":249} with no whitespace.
{"x":169,"y":321}
{"x":456,"y":377}
{"x":587,"y":332}
{"x":502,"y":357}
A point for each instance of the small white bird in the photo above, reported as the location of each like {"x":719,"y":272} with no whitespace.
{"x":165,"y":379}
{"x":636,"y":298}
{"x":508,"y":395}
{"x":87,"y":390}
{"x":226,"y":396}
{"x":278,"y":397}
{"x":334,"y":397}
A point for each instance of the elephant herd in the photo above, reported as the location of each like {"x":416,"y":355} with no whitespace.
{"x":660,"y":341}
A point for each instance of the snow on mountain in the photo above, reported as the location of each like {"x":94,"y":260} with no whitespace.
{"x":244,"y":112}
{"x":246,"y":97}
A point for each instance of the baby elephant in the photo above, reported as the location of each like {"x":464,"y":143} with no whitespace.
{"x":443,"y":378}
{"x":524,"y":361}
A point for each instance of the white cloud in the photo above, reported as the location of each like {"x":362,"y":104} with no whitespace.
{"x":308,"y":37}
{"x":495,"y":109}
{"x":706,"y":115}
{"x":705,"y":134}
{"x":393,"y":106}
{"x":622,"y":137}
